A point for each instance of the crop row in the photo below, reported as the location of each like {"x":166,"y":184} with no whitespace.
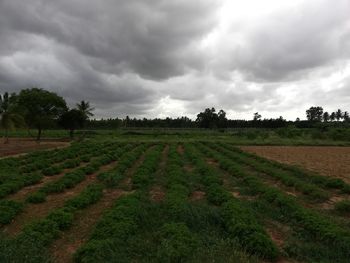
{"x":322,"y":181}
{"x":240,"y":221}
{"x":312,"y":224}
{"x":30,"y":244}
{"x":68,"y":180}
{"x":113,"y":177}
{"x":144,"y":175}
{"x":123,"y":219}
{"x":18,"y":181}
{"x":310,"y":190}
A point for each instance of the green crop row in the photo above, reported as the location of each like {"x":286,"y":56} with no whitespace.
{"x":123,"y":219}
{"x":322,"y":181}
{"x":39,"y":234}
{"x":312,"y":224}
{"x":18,"y":180}
{"x":68,"y":180}
{"x":310,"y":190}
{"x":127,"y":159}
{"x":240,"y":222}
{"x":144,"y":175}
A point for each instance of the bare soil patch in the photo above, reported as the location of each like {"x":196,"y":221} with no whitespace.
{"x":63,"y":249}
{"x":157,"y":194}
{"x":212,"y":161}
{"x":188,"y":168}
{"x":181,"y":149}
{"x":329,"y":161}
{"x":197,"y":196}
{"x":19,"y":146}
{"x":37,"y":211}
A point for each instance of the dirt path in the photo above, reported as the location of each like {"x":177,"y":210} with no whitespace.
{"x":64,"y":248}
{"x":36,"y":211}
{"x":329,"y":161}
{"x":19,"y":146}
{"x":157,"y":193}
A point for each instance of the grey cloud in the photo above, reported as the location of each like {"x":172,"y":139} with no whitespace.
{"x":126,"y":56}
{"x":150,"y":38}
{"x":286,"y":45}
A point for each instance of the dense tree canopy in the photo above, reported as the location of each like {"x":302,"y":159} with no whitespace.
{"x":40,"y":107}
{"x":71,"y":120}
{"x":9,"y":118}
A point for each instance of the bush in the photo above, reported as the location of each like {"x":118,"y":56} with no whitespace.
{"x":88,"y":196}
{"x":343,"y":206}
{"x":62,"y":218}
{"x":37,"y":197}
{"x":8,"y":210}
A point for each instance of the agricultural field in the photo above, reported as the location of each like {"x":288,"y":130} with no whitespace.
{"x":331,"y":161}
{"x":109,"y":200}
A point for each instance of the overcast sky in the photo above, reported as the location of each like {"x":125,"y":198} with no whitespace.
{"x":156,"y":58}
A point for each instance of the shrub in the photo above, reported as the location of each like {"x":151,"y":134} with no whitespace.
{"x":8,"y":210}
{"x":37,"y":197}
{"x":343,"y":206}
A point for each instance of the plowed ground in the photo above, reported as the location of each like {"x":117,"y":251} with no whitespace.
{"x":330,"y":161}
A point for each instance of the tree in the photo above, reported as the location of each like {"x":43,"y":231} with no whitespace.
{"x":41,"y":108}
{"x":346,"y":116}
{"x":314,"y":113}
{"x":332,"y":117}
{"x":326,"y":116}
{"x":338,"y":114}
{"x":222,"y":120}
{"x":86,"y":109}
{"x":9,"y":118}
{"x":257,"y":116}
{"x":207,"y":119}
{"x":72,"y":120}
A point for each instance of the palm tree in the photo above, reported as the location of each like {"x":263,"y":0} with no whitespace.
{"x":338,"y":114}
{"x":85,"y":108}
{"x":9,"y":119}
{"x":332,"y":116}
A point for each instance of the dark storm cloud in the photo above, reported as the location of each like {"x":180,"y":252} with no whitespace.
{"x":150,"y":38}
{"x":285,"y":45}
{"x":141,"y":57}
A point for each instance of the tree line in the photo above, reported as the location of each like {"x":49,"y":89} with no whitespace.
{"x":41,"y":109}
{"x":317,"y":114}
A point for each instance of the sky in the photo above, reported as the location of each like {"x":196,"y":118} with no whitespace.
{"x":159,"y":58}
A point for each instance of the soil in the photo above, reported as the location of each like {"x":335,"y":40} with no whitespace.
{"x":329,"y":161}
{"x":64,"y":248}
{"x":212,"y":161}
{"x":197,"y":196}
{"x":157,"y":194}
{"x":19,"y":146}
{"x":181,"y":149}
{"x":37,"y":211}
{"x":188,"y":168}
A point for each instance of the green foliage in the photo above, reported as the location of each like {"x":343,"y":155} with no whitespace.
{"x":8,"y":210}
{"x":88,"y":196}
{"x":177,"y":243}
{"x":37,"y":197}
{"x":343,"y":207}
